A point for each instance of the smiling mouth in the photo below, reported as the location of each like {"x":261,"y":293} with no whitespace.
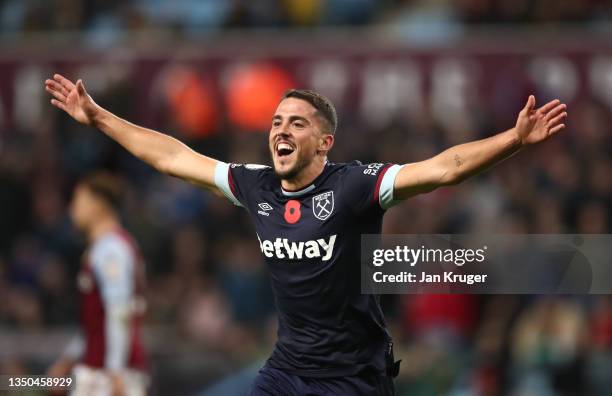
{"x":284,"y":149}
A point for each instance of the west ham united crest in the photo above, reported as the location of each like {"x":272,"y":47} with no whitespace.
{"x":323,"y":205}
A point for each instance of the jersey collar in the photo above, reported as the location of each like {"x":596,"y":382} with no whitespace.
{"x":299,"y":192}
{"x":309,"y":188}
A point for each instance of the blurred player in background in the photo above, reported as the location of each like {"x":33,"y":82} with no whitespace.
{"x":108,"y":358}
{"x":309,"y":215}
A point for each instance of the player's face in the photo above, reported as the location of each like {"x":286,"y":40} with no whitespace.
{"x":294,"y":137}
{"x":83,"y":207}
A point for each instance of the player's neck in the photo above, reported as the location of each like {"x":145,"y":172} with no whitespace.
{"x":103,"y":226}
{"x":306,"y":176}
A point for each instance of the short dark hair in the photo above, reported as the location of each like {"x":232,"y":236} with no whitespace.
{"x":106,"y":186}
{"x":325,"y":108}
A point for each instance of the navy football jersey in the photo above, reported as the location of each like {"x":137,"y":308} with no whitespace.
{"x":311,"y":241}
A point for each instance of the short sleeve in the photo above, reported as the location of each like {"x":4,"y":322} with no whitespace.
{"x":371,"y":185}
{"x":113,"y":264}
{"x":236,"y":181}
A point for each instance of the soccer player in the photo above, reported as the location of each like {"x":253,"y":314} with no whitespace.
{"x":309,"y":214}
{"x":110,"y":354}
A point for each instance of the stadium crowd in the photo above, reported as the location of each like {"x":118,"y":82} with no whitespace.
{"x":188,"y":16}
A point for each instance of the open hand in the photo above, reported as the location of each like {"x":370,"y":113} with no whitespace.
{"x":72,"y":98}
{"x":534,"y":126}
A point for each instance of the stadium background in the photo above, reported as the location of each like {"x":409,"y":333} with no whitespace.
{"x":409,"y":78}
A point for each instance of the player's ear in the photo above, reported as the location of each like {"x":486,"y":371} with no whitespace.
{"x":326,"y":142}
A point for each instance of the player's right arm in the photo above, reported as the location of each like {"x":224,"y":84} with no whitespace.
{"x":164,"y":153}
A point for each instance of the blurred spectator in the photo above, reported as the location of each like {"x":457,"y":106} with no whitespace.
{"x":600,"y":357}
{"x":548,"y":347}
{"x":106,"y":21}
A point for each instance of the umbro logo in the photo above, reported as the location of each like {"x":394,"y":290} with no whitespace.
{"x":264,"y":208}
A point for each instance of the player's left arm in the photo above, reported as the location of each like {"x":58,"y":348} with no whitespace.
{"x":457,"y":163}
{"x":113,"y":265}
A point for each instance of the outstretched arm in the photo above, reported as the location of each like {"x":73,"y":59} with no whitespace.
{"x":456,"y":164}
{"x":162,"y":152}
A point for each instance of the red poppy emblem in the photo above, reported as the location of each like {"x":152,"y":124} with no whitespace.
{"x":292,"y":211}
